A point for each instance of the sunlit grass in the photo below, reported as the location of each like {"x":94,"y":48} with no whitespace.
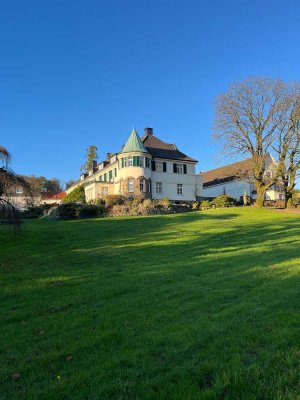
{"x":194,"y":306}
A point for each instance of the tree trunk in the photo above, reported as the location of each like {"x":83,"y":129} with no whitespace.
{"x":288,"y":196}
{"x":260,"y":196}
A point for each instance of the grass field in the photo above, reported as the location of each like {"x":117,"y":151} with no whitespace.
{"x":202,"y":305}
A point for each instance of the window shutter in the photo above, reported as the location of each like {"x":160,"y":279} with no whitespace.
{"x":174,"y":168}
{"x":184,"y":168}
{"x":153,"y":165}
{"x":165,"y":167}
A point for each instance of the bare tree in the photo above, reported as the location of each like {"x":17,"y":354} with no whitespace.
{"x":253,"y":117}
{"x":287,"y":146}
{"x":8,"y":182}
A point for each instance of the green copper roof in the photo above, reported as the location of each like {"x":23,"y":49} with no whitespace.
{"x":134,"y":143}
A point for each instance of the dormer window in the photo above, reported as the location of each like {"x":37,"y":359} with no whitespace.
{"x":19,"y":190}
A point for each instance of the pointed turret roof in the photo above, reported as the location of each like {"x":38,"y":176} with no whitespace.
{"x":134,"y":143}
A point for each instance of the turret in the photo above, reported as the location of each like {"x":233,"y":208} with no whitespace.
{"x":135,"y":168}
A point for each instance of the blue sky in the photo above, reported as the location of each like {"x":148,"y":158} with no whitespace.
{"x":75,"y":73}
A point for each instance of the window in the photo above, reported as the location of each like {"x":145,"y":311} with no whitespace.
{"x":110,"y":175}
{"x":136,"y":161}
{"x":130,"y":162}
{"x":179,"y":168}
{"x":123,"y":162}
{"x":105,"y":177}
{"x":104,"y":191}
{"x":179,"y":189}
{"x":130,"y":185}
{"x":281,"y":196}
{"x":19,"y":190}
{"x":142,"y":185}
{"x":116,"y":173}
{"x":147,"y":162}
{"x":159,"y":166}
{"x":158,"y":188}
{"x":142,"y":162}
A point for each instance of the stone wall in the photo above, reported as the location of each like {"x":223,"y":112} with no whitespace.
{"x":136,"y":187}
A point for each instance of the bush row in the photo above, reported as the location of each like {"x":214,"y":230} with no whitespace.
{"x":221,"y":201}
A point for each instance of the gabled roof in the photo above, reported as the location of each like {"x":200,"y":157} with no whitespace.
{"x":134,"y":143}
{"x":227,"y":173}
{"x":158,"y":148}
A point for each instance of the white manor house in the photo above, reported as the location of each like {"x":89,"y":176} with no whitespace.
{"x":145,"y":167}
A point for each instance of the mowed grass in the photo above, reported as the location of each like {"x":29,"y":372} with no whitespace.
{"x":202,"y":305}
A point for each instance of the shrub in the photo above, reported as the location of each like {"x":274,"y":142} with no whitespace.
{"x":196,"y":205}
{"x":68,"y":210}
{"x":119,"y":210}
{"x":99,"y":202}
{"x":205,"y":204}
{"x":164,"y":202}
{"x":113,"y":199}
{"x":35,"y":211}
{"x":91,"y":211}
{"x":223,"y":201}
{"x":77,"y":195}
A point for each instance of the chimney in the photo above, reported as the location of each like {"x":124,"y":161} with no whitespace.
{"x":148,"y":131}
{"x":108,"y":155}
{"x":94,"y":164}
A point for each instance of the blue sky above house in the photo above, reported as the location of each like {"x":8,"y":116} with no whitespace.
{"x":75,"y":73}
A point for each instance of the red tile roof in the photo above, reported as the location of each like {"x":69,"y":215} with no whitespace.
{"x":54,"y":196}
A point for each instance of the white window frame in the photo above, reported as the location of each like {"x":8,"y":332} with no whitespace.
{"x":130,"y":185}
{"x":19,"y":190}
{"x":104,"y":191}
{"x":179,"y":168}
{"x":130,"y":162}
{"x":142,"y":162}
{"x":142,"y":185}
{"x":159,"y":166}
{"x":179,"y":189}
{"x":158,"y":188}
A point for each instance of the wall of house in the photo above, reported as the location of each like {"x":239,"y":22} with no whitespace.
{"x":191,"y":183}
{"x":273,"y":194}
{"x":235,"y":189}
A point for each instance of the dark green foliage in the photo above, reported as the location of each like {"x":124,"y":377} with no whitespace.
{"x":223,"y":201}
{"x":69,"y":210}
{"x":77,"y":195}
{"x":77,"y":210}
{"x":91,"y":211}
{"x":35,"y":212}
{"x":91,"y":156}
{"x":195,"y":306}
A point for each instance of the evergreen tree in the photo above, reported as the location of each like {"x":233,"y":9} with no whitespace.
{"x":91,"y":155}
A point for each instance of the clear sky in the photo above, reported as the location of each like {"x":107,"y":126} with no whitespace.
{"x":81,"y":72}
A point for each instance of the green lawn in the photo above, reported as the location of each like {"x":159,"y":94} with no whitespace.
{"x":202,"y":305}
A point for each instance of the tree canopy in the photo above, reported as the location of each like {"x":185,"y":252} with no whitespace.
{"x":91,"y":156}
{"x":77,"y":195}
{"x":9,"y":181}
{"x":257,"y":116}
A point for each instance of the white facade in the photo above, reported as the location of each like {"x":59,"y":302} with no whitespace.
{"x":165,"y":184}
{"x":237,"y":187}
{"x":133,"y":173}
